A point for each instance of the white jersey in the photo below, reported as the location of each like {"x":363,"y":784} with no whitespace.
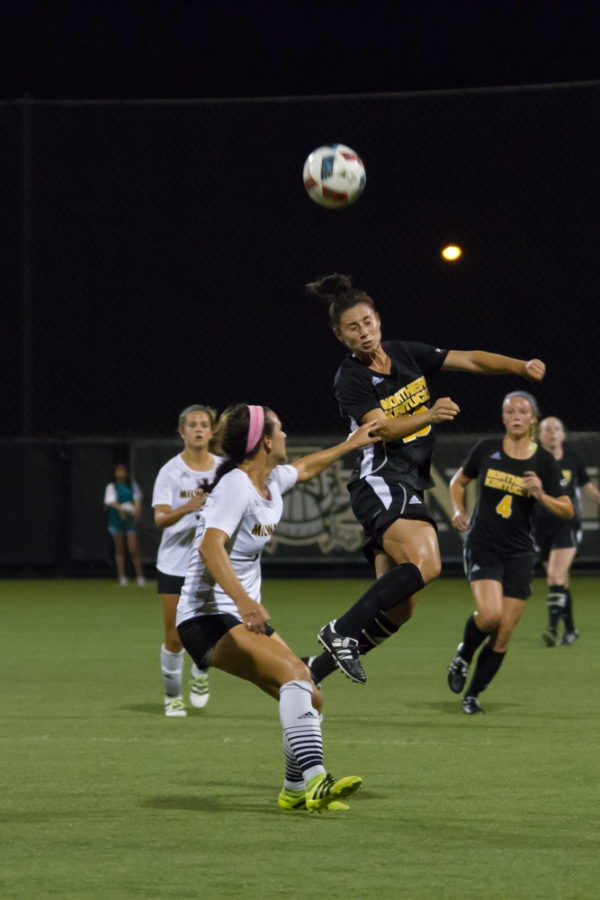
{"x":174,"y":485}
{"x":249,"y":520}
{"x":110,"y":494}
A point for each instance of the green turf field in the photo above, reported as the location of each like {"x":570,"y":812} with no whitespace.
{"x":103,"y":797}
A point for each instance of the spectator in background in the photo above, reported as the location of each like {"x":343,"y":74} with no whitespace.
{"x":180,"y":491}
{"x":557,"y":540}
{"x":123,"y":498}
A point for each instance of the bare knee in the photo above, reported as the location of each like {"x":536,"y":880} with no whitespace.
{"x":172,"y":642}
{"x":430,"y":569}
{"x":487,"y":620}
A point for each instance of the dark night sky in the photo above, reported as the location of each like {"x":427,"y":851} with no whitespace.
{"x":185,"y":49}
{"x":226,"y":48}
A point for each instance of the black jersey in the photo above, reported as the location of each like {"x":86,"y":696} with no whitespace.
{"x":574,"y":473}
{"x":403,"y":392}
{"x":503,"y":515}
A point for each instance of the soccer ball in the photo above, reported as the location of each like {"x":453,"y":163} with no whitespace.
{"x":128,"y":509}
{"x":334,"y":176}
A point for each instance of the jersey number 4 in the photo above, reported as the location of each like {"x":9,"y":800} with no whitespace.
{"x":504,"y":508}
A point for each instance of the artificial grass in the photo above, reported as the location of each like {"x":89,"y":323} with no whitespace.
{"x":104,"y":797}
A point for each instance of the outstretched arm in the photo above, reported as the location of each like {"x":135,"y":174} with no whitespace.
{"x":483,"y":363}
{"x":314,"y":463}
{"x":389,"y":428}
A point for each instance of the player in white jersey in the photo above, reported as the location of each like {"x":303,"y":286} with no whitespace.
{"x":220,"y":617}
{"x":180,"y":491}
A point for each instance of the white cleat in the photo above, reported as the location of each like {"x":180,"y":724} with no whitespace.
{"x":199,"y":693}
{"x":174,"y":706}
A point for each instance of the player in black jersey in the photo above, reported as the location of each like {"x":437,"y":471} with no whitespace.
{"x":556,"y":541}
{"x":514,"y":475}
{"x":387,"y":382}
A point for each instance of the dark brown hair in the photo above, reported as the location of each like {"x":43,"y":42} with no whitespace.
{"x":232,"y":434}
{"x":339,"y":294}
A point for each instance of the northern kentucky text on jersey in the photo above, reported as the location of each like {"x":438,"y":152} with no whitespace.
{"x":406,"y":399}
{"x":504,"y":481}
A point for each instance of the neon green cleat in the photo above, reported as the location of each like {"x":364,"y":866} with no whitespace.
{"x":324,"y":790}
{"x":288,"y":799}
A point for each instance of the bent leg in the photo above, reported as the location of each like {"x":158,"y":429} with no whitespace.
{"x":272,"y":666}
{"x":492,"y":654}
{"x":560,"y":601}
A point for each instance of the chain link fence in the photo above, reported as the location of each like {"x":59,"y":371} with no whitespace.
{"x":156,"y":255}
{"x":156,"y":252}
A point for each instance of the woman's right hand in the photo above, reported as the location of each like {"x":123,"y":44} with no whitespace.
{"x":195,"y":503}
{"x":254,"y":615}
{"x":460,"y":521}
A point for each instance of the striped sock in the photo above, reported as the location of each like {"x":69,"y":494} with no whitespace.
{"x":301,"y":727}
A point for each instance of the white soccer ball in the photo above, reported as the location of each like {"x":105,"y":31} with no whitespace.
{"x":128,"y":509}
{"x":334,"y":176}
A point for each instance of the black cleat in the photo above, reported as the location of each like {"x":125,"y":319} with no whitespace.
{"x":549,"y":638}
{"x":344,"y":651}
{"x":470,"y":705}
{"x":568,"y":638}
{"x":457,"y":672}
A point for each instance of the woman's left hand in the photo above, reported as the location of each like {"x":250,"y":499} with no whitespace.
{"x":364,"y":434}
{"x":535,"y":370}
{"x":533,"y":484}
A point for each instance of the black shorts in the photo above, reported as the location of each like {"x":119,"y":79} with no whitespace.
{"x":558,"y":538}
{"x":379,"y":500}
{"x":514,"y":571}
{"x":201,"y":634}
{"x":169,"y":584}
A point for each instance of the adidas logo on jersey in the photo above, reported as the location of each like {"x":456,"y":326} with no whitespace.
{"x":475,"y":568}
{"x":413,"y":499}
{"x":376,"y":379}
{"x":496,"y":455}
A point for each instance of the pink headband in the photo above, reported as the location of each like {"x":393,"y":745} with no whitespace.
{"x":255,"y":428}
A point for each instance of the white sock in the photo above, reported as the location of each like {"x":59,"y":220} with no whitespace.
{"x":171,"y":665}
{"x":301,"y":727}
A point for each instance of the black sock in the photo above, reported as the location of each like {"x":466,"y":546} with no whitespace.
{"x":472,"y":638}
{"x":488,"y":663}
{"x":567,"y":615}
{"x":374,"y":634}
{"x":387,"y":592}
{"x":557,"y":604}
{"x":321,"y":665}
